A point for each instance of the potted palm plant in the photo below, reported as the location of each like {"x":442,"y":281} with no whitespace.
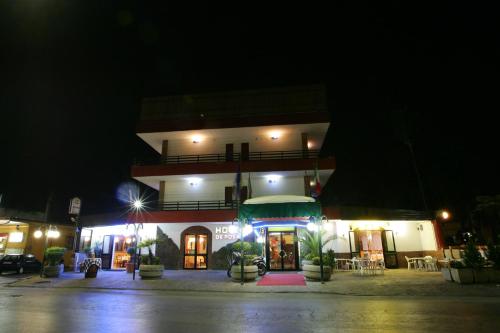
{"x":474,"y":260}
{"x":150,"y":266}
{"x":54,"y":256}
{"x":250,"y":271}
{"x":311,"y":262}
{"x":460,"y":273}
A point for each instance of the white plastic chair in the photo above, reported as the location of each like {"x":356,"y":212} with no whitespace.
{"x":411,"y":262}
{"x":430,"y":263}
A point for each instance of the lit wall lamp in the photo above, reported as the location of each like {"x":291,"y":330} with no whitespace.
{"x":193,"y":181}
{"x":275,"y":136}
{"x":273,"y":179}
{"x":196,"y":139}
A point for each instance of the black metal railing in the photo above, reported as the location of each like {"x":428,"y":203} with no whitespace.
{"x":197,"y":205}
{"x":200,"y":158}
{"x":283,"y":155}
{"x":252,"y":156}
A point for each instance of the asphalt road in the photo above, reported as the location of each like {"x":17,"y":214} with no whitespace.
{"x":74,"y":310}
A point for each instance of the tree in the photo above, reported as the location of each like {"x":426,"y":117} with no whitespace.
{"x":486,"y":217}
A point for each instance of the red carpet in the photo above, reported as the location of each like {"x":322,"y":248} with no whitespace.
{"x":282,"y":280}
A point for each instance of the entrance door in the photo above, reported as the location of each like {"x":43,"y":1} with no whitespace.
{"x":195,"y":251}
{"x":281,"y":250}
{"x":390,"y":254}
{"x":107,"y":251}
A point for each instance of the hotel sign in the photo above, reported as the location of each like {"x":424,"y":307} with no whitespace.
{"x":223,"y":233}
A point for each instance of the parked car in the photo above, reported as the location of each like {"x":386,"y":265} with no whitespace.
{"x":20,"y":263}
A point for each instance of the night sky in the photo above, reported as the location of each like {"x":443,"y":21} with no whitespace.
{"x":74,"y":74}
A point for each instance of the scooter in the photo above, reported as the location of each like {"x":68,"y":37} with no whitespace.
{"x":257,"y":261}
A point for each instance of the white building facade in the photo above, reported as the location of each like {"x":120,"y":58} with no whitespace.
{"x":273,"y":139}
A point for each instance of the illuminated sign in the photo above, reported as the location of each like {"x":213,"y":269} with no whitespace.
{"x":16,"y":237}
{"x":223,"y":233}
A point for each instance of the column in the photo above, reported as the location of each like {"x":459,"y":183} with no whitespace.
{"x":164,"y":151}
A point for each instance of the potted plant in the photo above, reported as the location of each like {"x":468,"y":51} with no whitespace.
{"x":250,"y":271}
{"x":446,"y":272}
{"x":53,"y":256}
{"x":313,"y":271}
{"x":474,"y":260}
{"x":150,"y":265}
{"x":308,"y":259}
{"x":88,"y":251}
{"x":460,"y":273}
{"x":493,"y":255}
{"x":310,"y":245}
{"x":131,"y":263}
{"x":97,"y":249}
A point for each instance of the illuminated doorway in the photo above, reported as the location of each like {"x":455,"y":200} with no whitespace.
{"x":282,"y":249}
{"x":196,"y":247}
{"x":374,"y":244}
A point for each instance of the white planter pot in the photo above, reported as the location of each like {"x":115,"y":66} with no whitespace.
{"x":446,"y":274}
{"x":306,"y":262}
{"x":462,"y":275}
{"x":151,"y":271}
{"x":313,"y":272}
{"x":249,"y":273}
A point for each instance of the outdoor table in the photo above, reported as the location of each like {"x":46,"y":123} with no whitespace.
{"x":87,"y":262}
{"x":419,"y":261}
{"x":341,"y":263}
{"x":363,"y":266}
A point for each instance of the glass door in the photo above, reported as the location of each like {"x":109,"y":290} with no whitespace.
{"x":107,"y":251}
{"x":282,"y":250}
{"x":195,"y":251}
{"x":390,"y":254}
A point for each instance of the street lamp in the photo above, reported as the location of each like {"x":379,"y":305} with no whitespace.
{"x":51,"y":232}
{"x":136,"y":205}
{"x":444,"y":215}
{"x":136,"y":227}
{"x":317,"y":225}
{"x":245,"y":229}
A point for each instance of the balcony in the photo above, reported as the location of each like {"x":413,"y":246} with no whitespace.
{"x":189,"y":211}
{"x":196,"y":205}
{"x":234,"y":157}
{"x":221,"y":164}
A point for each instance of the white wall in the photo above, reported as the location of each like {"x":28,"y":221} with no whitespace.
{"x":407,"y":234}
{"x":203,"y":190}
{"x":428,"y":237}
{"x":213,"y":141}
{"x":214,"y":189}
{"x":211,"y":144}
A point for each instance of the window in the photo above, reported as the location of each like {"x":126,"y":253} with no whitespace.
{"x":195,"y":251}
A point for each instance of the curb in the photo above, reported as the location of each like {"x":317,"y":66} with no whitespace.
{"x":316,"y":292}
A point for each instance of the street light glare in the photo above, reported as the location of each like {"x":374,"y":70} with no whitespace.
{"x":445,"y":215}
{"x":138,"y":204}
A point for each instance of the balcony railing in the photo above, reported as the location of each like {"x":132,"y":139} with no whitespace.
{"x":252,"y":156}
{"x":197,"y":205}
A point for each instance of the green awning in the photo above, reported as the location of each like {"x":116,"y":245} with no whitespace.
{"x":280,"y":210}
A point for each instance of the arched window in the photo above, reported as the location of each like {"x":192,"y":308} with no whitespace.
{"x":196,"y":246}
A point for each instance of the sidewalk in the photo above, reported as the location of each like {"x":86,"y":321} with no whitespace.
{"x":396,"y":282}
